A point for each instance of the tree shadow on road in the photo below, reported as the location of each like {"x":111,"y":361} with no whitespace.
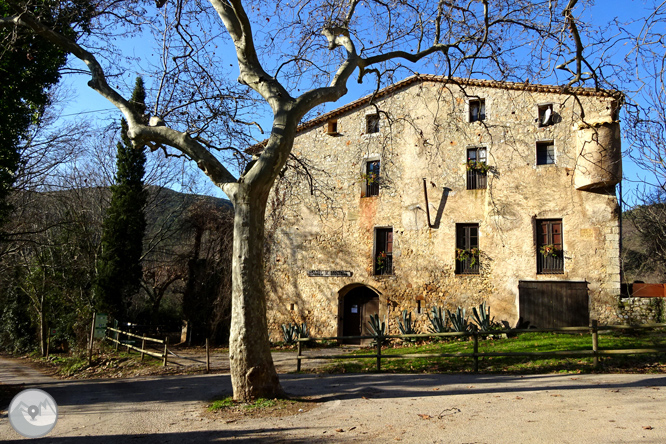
{"x":242,"y":436}
{"x":320,"y":388}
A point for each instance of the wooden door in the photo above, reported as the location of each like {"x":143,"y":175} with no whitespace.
{"x":552,"y":304}
{"x":358,"y":305}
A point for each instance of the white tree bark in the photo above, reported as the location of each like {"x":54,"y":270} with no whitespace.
{"x":252,"y":372}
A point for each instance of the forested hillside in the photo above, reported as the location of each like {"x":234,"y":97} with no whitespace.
{"x":48,"y":265}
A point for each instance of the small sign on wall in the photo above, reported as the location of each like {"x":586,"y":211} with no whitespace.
{"x":329,"y":273}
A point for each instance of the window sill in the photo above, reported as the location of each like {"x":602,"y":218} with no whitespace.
{"x":380,"y":277}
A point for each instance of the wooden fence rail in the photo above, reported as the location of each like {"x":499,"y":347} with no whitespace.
{"x":142,"y":349}
{"x":593,"y":329}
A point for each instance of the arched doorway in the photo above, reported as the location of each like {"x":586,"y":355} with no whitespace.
{"x":356,"y":305}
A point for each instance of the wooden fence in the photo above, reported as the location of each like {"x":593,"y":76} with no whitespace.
{"x":594,"y":350}
{"x":117,"y":340}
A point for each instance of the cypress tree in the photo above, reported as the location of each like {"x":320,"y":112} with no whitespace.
{"x":119,"y":269}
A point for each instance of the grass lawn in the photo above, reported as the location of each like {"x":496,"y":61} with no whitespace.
{"x":525,"y":342}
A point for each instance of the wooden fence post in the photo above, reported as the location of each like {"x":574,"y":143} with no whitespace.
{"x":143,"y":347}
{"x":115,"y":325}
{"x":595,"y":342}
{"x":92,"y":339}
{"x":476,"y":352}
{"x":166,"y":351}
{"x":379,"y":351}
{"x":207,"y":357}
{"x":299,"y":354}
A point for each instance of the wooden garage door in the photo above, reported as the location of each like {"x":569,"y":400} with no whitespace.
{"x":552,"y":304}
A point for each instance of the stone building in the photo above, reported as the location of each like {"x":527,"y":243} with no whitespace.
{"x":448,"y":193}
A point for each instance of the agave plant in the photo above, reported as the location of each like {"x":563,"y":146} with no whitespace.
{"x":405,"y":325}
{"x":459,"y":320}
{"x":437,"y":320}
{"x":377,"y":328}
{"x":482,"y":318}
{"x":289,"y":333}
{"x":303,"y":331}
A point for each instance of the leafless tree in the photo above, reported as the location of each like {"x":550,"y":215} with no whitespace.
{"x":207,"y":280}
{"x":646,"y":132}
{"x":294,"y":56}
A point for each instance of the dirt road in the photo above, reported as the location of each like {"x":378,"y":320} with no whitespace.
{"x":362,"y":408}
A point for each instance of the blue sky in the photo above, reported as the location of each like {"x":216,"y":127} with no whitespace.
{"x":88,"y":105}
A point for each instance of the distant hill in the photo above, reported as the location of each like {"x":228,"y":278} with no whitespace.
{"x":166,"y":210}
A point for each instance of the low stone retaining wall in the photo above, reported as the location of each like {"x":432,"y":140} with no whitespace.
{"x":641,"y":310}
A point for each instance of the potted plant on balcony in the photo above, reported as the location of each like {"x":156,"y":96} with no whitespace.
{"x":550,"y":250}
{"x":472,"y":255}
{"x":479,"y":167}
{"x":381,"y":262}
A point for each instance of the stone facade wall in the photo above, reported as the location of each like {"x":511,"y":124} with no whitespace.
{"x":641,"y":310}
{"x":424,"y":132}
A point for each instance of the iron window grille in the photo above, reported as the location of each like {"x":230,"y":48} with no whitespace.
{"x":467,"y":249}
{"x":372,"y":178}
{"x":383,"y":254}
{"x":477,"y":169}
{"x":550,"y":253}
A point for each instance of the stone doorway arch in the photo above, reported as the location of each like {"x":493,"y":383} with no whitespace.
{"x":356,"y":303}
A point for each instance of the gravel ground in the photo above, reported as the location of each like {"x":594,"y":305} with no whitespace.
{"x":360,"y":408}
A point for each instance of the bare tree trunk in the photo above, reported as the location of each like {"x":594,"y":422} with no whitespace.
{"x":253,"y":374}
{"x":42,"y":328}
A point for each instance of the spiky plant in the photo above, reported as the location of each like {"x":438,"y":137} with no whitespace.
{"x":459,"y":320}
{"x":482,"y":318}
{"x":437,"y":320}
{"x":406,"y":326}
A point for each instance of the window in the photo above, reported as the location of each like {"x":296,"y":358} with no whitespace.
{"x":371,"y":177}
{"x":467,"y":248}
{"x":477,"y":169}
{"x":332,"y":127}
{"x":372,"y":123}
{"x":550,"y":256}
{"x":383,"y":255}
{"x":545,"y":115}
{"x":477,"y":110}
{"x":545,"y":153}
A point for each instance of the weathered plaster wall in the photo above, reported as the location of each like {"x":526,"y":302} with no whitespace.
{"x":424,"y":133}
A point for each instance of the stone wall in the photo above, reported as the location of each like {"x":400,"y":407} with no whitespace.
{"x":329,"y":224}
{"x":641,"y":310}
